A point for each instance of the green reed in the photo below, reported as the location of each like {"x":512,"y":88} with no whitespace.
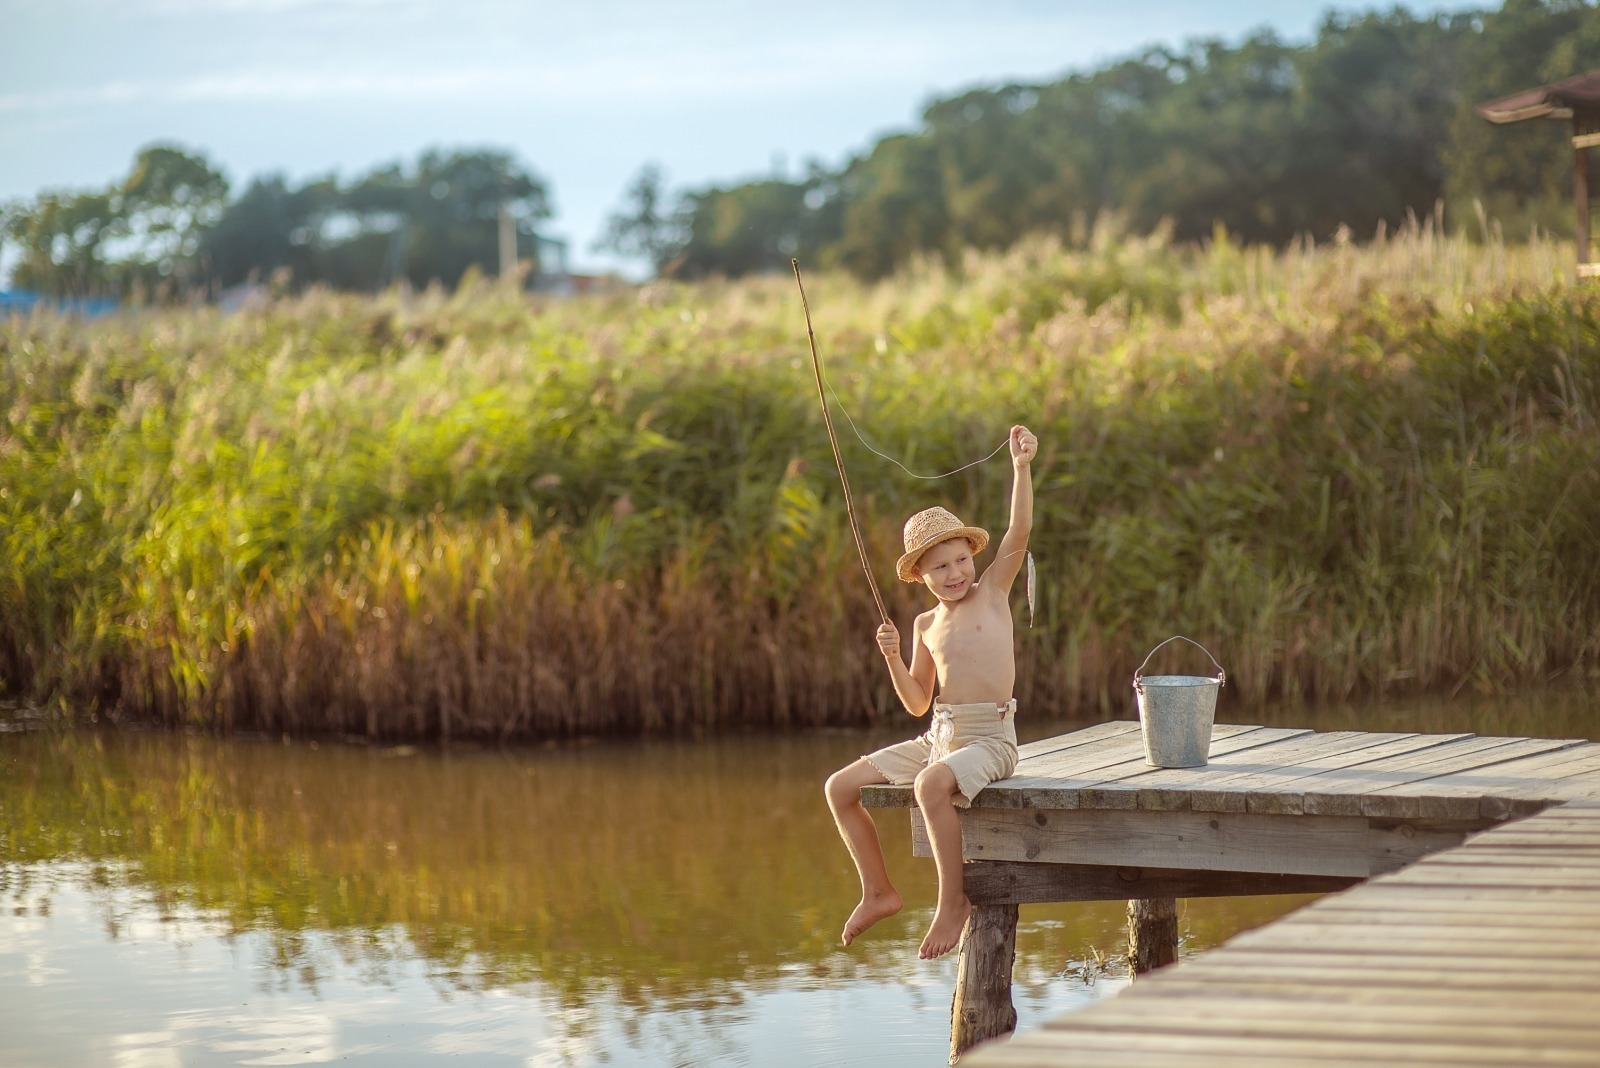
{"x":1347,"y":470}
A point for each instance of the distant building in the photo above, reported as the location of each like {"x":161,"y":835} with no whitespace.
{"x":1577,"y":100}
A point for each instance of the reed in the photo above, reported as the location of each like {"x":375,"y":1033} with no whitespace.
{"x":1349,"y":470}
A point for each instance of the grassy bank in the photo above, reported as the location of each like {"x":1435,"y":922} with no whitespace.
{"x":1346,"y":470}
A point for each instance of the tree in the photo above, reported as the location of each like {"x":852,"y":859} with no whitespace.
{"x":450,"y":207}
{"x":166,"y":204}
{"x":746,"y":229}
{"x":644,"y":227}
{"x":143,"y":230}
{"x":1377,"y":95}
{"x":61,"y":238}
{"x":1372,"y":121}
{"x":429,"y":223}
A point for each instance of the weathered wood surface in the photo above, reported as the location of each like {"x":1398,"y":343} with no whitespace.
{"x":1485,"y":954}
{"x":981,"y":1007}
{"x":1287,"y":772}
{"x":1152,"y":934}
{"x":1002,"y":882}
{"x":1210,"y":841}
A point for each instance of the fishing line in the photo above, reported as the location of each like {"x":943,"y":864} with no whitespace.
{"x":824,"y":387}
{"x":846,"y":413}
{"x":838,"y":458}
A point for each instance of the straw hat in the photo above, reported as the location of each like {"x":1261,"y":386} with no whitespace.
{"x":928,"y":528}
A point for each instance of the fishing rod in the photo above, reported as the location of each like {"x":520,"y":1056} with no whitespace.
{"x":844,"y":479}
{"x":838,"y":458}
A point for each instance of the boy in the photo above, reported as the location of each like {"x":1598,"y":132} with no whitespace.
{"x":963,"y":644}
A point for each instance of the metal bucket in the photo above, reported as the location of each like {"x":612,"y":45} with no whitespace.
{"x":1176,"y":712}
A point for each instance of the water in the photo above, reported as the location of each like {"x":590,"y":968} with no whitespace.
{"x":183,"y":900}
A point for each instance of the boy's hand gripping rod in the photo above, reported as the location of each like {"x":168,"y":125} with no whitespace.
{"x":827,"y":419}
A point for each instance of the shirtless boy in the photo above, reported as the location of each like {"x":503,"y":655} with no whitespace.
{"x":964,"y":645}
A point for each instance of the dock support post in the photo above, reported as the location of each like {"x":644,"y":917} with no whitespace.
{"x":981,"y":1008}
{"x":1152,"y":934}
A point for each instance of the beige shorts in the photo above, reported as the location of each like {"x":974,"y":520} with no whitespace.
{"x":977,"y":742}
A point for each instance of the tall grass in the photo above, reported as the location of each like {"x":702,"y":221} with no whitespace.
{"x":1348,"y":470}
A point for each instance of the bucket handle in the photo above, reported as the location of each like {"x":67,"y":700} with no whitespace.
{"x":1222,"y":676}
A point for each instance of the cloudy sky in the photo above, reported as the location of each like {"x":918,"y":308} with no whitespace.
{"x":582,"y":92}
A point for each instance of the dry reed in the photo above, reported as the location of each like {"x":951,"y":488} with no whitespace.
{"x":1350,"y":470}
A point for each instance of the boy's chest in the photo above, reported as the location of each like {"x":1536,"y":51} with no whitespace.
{"x":968,"y":632}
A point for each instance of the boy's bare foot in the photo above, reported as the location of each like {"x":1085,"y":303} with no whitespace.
{"x":872,"y":908}
{"x":944,"y":933}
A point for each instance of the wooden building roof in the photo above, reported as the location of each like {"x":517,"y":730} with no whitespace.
{"x":1558,"y":100}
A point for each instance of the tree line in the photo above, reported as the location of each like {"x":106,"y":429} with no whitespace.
{"x":169,"y":226}
{"x":1368,"y":124}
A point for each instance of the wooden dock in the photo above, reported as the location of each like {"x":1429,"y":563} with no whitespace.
{"x":1469,"y":933}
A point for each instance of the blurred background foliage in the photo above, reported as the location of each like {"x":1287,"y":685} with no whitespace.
{"x":1348,"y":469}
{"x":1366,"y":126}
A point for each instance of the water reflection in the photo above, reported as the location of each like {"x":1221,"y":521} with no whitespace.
{"x":174,"y":898}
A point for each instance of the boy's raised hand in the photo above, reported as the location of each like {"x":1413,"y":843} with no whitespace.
{"x":888,"y":640}
{"x":1023,"y":445}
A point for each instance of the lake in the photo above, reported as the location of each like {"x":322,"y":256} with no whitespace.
{"x":172,"y":899}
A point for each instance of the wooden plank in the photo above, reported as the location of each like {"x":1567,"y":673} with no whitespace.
{"x":1084,"y":1036}
{"x":1555,"y":839}
{"x":1392,"y":896}
{"x":1583,"y":757}
{"x":1556,"y":820}
{"x":1484,"y":953}
{"x":1011,"y":882}
{"x":1339,"y":790}
{"x":1367,"y":789}
{"x":1220,"y":841}
{"x":1509,"y":911}
{"x":1174,"y":789}
{"x":1034,"y":1049}
{"x":1489,"y":1043}
{"x":1195,"y":981}
{"x":1045,"y":774}
{"x":1291,"y":762}
{"x":1395,"y":845}
{"x":1060,"y":785}
{"x":1443,"y":912}
{"x":1380,"y":969}
{"x":1568,"y":814}
{"x":1122,"y":785}
{"x":1099,"y":732}
{"x":1487,"y":790}
{"x":1505,"y":875}
{"x":1514,"y":856}
{"x":1288,"y":796}
{"x":1487,"y":947}
{"x":1424,"y":932}
{"x":1411,"y":995}
{"x":1514,"y":1021}
{"x":1571,"y":786}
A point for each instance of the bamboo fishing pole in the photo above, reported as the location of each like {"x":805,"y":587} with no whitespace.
{"x":838,"y":459}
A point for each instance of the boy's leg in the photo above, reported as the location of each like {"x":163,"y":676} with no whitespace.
{"x":879,"y":899}
{"x":936,"y":789}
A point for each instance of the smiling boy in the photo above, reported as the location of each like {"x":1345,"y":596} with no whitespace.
{"x":963,"y":645}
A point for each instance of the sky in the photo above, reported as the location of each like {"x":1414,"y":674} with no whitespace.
{"x":583,"y":93}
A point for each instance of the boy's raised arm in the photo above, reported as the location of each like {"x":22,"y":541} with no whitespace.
{"x":1010,"y":556}
{"x":913,"y":685}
